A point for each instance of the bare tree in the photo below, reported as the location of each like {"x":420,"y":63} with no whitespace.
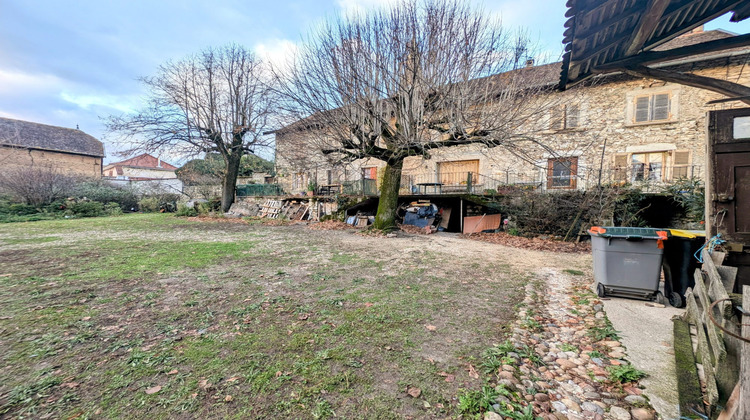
{"x":218,"y":100}
{"x":36,"y":185}
{"x":410,"y":79}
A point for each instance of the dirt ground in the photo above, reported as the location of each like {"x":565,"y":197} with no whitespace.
{"x":150,"y":315}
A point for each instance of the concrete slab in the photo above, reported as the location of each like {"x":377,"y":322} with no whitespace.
{"x":647,"y":334}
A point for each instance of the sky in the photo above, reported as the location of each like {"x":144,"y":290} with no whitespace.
{"x":72,"y":63}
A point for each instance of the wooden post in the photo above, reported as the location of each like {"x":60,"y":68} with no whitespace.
{"x":744,"y":409}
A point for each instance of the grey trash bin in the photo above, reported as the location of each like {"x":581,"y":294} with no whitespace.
{"x":627,"y":261}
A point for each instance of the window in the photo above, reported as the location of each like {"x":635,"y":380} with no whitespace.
{"x":370,"y":173}
{"x":562,"y":172}
{"x":656,"y":107}
{"x":647,"y":166}
{"x":565,"y":117}
{"x":652,"y":166}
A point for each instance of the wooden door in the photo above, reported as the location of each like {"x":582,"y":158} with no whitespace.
{"x":729,"y":188}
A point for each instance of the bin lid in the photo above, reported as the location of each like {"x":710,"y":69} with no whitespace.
{"x":628,"y":232}
{"x":690,"y":234}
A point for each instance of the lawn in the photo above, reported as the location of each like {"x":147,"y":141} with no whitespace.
{"x":156,"y":316}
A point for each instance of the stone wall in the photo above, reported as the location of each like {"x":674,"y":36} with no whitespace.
{"x":606,"y":136}
{"x":67,"y":163}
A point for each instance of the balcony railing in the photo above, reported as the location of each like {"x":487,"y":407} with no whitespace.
{"x":469,"y":182}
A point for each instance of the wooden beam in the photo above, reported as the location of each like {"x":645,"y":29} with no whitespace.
{"x":646,"y":26}
{"x":744,"y":401}
{"x":701,"y":82}
{"x":650,"y":57}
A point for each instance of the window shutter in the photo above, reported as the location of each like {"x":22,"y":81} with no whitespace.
{"x":660,"y":107}
{"x":550,"y":172}
{"x":556,"y":118}
{"x":620,"y":167}
{"x":573,"y":171}
{"x":682,"y":157}
{"x":641,"y":109}
{"x":571,"y":116}
{"x":681,"y":164}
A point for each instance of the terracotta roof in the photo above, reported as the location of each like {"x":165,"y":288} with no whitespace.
{"x":32,"y":135}
{"x":144,"y":161}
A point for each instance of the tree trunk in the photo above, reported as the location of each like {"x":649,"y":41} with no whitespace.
{"x":385,"y":218}
{"x":229,"y":182}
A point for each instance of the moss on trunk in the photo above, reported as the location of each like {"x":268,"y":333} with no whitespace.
{"x":229,"y":182}
{"x":385,"y":218}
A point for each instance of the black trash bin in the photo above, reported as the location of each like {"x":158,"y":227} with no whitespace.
{"x":680,"y":264}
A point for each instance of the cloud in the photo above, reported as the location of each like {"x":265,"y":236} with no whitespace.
{"x":17,"y":82}
{"x":278,"y":52}
{"x":350,"y":7}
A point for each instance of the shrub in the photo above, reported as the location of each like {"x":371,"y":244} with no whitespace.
{"x":148,"y":204}
{"x":104,"y":192}
{"x":112,"y":209}
{"x":87,"y":209}
{"x":185,"y":211}
{"x":36,"y":186}
{"x":159,"y":203}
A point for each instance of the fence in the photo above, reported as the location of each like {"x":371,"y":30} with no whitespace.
{"x":710,"y":310}
{"x":258,"y":190}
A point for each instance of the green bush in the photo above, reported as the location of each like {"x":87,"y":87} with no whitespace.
{"x":185,"y":211}
{"x":18,"y":209}
{"x":148,"y":204}
{"x":104,"y":192}
{"x":112,"y":209}
{"x":209,"y":206}
{"x":87,"y":209}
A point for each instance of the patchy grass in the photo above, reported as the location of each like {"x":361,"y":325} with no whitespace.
{"x":154,"y":316}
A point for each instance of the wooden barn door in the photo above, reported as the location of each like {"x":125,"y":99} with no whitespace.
{"x":728,"y":186}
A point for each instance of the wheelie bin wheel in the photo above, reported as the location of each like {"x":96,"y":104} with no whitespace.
{"x":600,"y":290}
{"x":675,"y":300}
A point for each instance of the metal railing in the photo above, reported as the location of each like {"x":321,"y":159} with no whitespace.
{"x":651,"y":179}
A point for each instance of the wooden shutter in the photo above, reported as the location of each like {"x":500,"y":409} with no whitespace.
{"x":457,"y":172}
{"x":556,"y":118}
{"x":620,"y":172}
{"x":573,"y":172}
{"x":660,"y":107}
{"x":641,"y":108}
{"x":681,"y":164}
{"x":571,"y":116}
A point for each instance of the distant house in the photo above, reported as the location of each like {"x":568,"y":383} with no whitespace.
{"x":25,"y":144}
{"x":146,"y":173}
{"x":141,"y":167}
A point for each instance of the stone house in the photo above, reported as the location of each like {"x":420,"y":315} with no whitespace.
{"x":25,"y":144}
{"x":614,"y":129}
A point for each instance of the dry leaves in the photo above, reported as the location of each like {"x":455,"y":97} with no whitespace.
{"x":502,"y":238}
{"x":414,"y":392}
{"x":448,"y":377}
{"x":430,"y":327}
{"x":228,"y":398}
{"x":204,"y":384}
{"x":172,"y":372}
{"x":473,"y":372}
{"x":153,"y":390}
